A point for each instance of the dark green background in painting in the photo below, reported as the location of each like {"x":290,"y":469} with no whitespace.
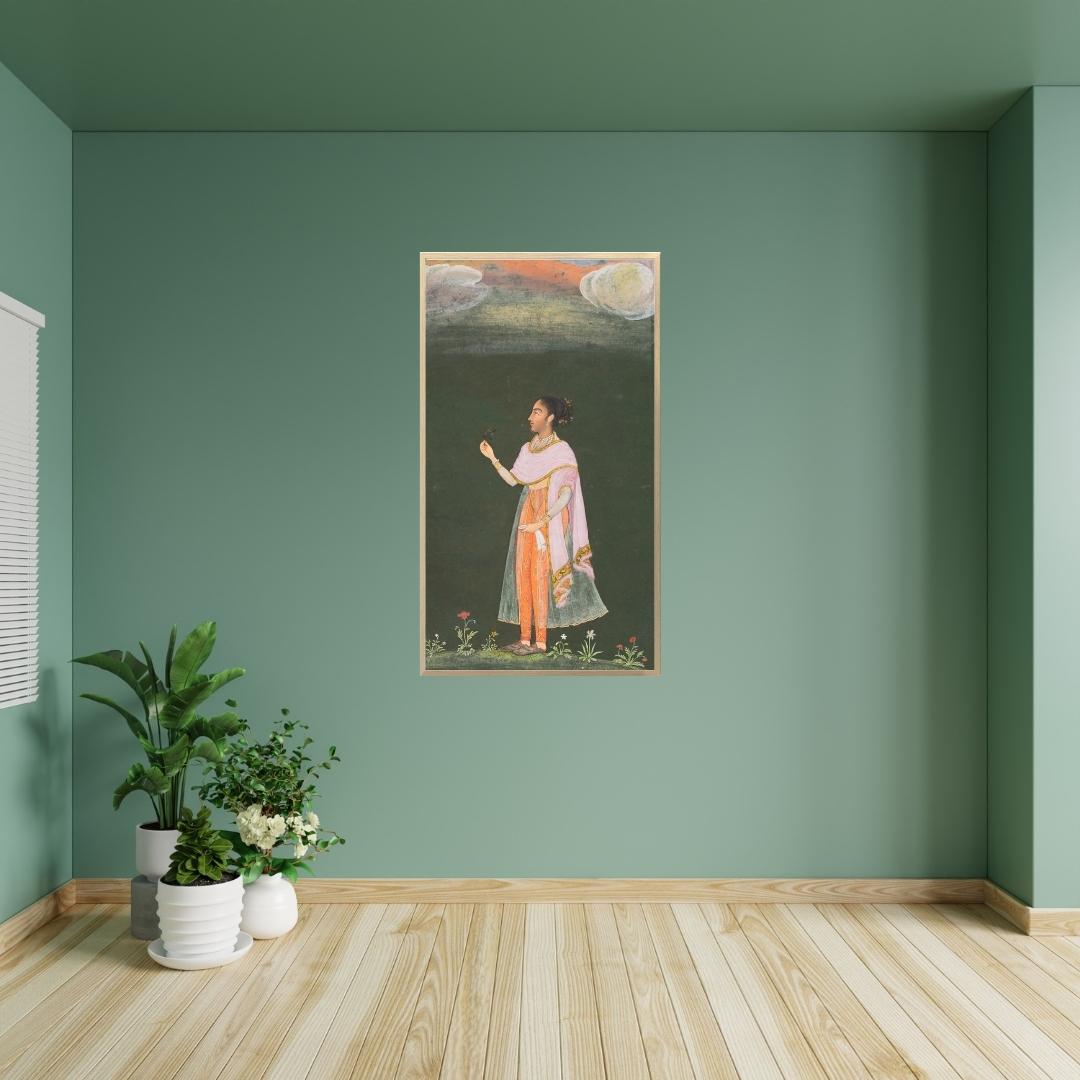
{"x":470,"y":511}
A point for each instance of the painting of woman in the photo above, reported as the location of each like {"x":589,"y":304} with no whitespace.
{"x":549,"y":578}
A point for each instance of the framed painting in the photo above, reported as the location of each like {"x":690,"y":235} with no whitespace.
{"x":539,"y":463}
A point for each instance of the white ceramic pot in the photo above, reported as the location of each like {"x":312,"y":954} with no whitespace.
{"x":153,"y":849}
{"x":200,"y":923}
{"x":269,"y":907}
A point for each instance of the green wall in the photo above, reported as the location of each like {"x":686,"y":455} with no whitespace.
{"x":1056,"y":495}
{"x":246,"y":447}
{"x":1009,"y":583}
{"x":35,"y":268}
{"x":1034,"y":716}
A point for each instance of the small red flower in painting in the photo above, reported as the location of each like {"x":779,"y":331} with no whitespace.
{"x":463,"y":615}
{"x":619,"y":647}
{"x":633,"y":641}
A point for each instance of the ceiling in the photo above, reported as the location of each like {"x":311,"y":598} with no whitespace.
{"x":519,"y":65}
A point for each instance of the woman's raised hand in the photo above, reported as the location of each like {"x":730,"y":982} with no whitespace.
{"x":485,"y":449}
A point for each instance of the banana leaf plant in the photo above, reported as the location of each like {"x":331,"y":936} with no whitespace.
{"x":170,"y":731}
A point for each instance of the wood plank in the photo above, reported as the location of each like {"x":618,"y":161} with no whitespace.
{"x":1066,"y":947}
{"x":918,"y":1052}
{"x":1050,"y":1012}
{"x":351,"y":1022}
{"x":579,"y":1024}
{"x":1043,"y":970}
{"x":788,"y":1044}
{"x":620,"y":1034}
{"x":41,"y":912}
{"x":1039,"y":950}
{"x":305,"y":1036}
{"x":868,"y":1040}
{"x":466,"y":1043}
{"x":32,"y":955}
{"x":169,"y":1034}
{"x":34,"y":981}
{"x":206,"y":1053}
{"x":87,"y":1033}
{"x":1005,"y":1055}
{"x":963,"y":1055}
{"x":381,"y":1052}
{"x":426,"y":1041}
{"x":749,"y":1049}
{"x":601,"y":890}
{"x":32,"y":1015}
{"x":504,"y":1027}
{"x":254,"y":1053}
{"x":665,"y":1050}
{"x":829,"y":1043}
{"x":986,"y":999}
{"x":705,"y":1045}
{"x":540,"y":1055}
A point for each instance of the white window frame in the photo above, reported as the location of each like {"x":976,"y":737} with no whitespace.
{"x":19,"y":539}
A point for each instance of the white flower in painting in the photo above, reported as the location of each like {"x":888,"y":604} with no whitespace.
{"x":590,"y":634}
{"x":313,"y":820}
{"x":623,"y":288}
{"x":275,"y":826}
{"x":300,"y":850}
{"x":563,"y":636}
{"x":453,"y":287}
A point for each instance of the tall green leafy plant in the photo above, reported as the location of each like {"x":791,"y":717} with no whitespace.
{"x":171,"y":731}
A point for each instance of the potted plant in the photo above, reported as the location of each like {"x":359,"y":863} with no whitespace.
{"x":200,"y":898}
{"x":269,"y":788}
{"x":170,"y":731}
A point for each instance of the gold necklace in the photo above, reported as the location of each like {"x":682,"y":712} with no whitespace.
{"x":544,"y":443}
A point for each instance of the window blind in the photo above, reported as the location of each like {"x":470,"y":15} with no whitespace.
{"x":18,"y":502}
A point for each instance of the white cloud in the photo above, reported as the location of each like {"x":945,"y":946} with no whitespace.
{"x":624,"y":289}
{"x":453,"y":288}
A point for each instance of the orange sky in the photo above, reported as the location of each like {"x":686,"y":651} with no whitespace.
{"x":546,"y":274}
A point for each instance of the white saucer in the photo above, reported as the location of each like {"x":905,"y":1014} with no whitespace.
{"x":157,"y":951}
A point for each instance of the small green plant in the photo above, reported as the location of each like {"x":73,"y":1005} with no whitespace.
{"x":588,"y":652}
{"x":170,"y":731}
{"x":630,"y":656}
{"x":561,"y":649}
{"x":465,"y":634}
{"x":491,"y":643}
{"x":201,"y":856}
{"x":434,"y":645}
{"x":269,"y":788}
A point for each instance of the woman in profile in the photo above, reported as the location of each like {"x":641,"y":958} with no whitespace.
{"x":549,"y":579}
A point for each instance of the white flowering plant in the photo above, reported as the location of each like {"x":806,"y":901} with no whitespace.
{"x":269,"y":788}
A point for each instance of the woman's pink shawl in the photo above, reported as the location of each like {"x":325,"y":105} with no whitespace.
{"x":570,"y":549}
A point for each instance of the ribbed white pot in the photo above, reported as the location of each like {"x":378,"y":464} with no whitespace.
{"x":269,"y":907}
{"x":153,"y":849}
{"x":200,"y":922}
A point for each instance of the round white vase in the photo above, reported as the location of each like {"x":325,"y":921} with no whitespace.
{"x":269,"y":907}
{"x":200,"y":923}
{"x":153,"y":849}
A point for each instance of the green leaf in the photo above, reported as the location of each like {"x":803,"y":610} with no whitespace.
{"x":169,"y":656}
{"x":138,"y":728}
{"x":154,"y":683}
{"x":207,"y":749}
{"x":113,"y":663}
{"x":180,"y":710}
{"x":176,"y":754}
{"x":194,"y":651}
{"x":139,"y":778}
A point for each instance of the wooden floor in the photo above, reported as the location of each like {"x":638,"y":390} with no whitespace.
{"x":548,"y":991}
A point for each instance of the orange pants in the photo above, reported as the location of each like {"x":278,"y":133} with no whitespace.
{"x":532,"y":569}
